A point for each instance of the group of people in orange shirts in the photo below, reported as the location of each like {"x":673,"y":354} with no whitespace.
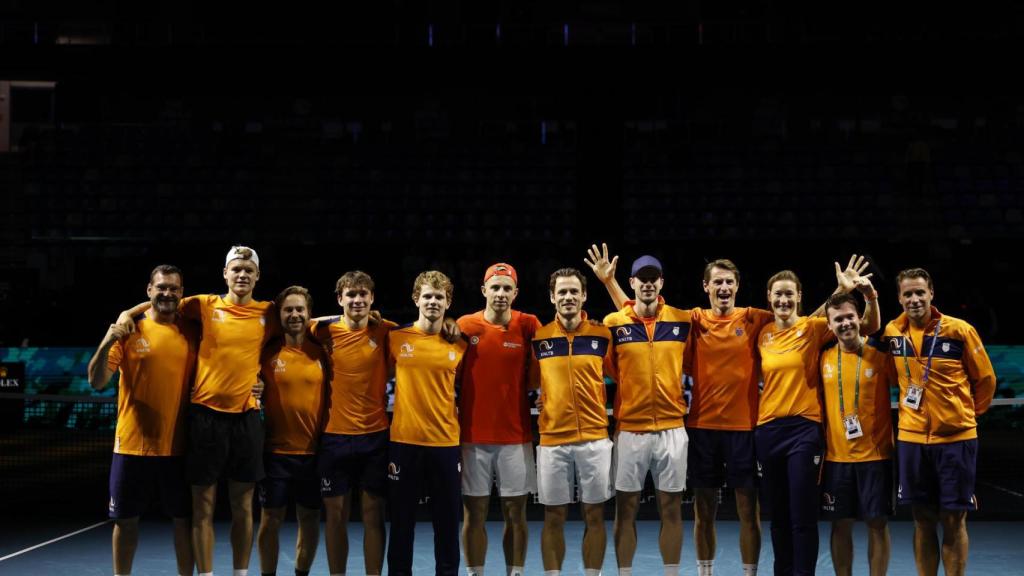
{"x":790,"y":412}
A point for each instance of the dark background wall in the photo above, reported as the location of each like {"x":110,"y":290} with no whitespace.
{"x":403,"y":137}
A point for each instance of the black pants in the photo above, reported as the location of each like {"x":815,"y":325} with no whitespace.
{"x":411,"y":469}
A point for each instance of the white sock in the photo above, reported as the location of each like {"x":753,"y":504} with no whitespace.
{"x":474,"y":571}
{"x":240,"y":572}
{"x":671,"y":569}
{"x":552,"y":573}
{"x":206,"y":574}
{"x":750,"y":570}
{"x":705,"y":567}
{"x":626,"y":571}
{"x":592,"y":572}
{"x":514,"y":570}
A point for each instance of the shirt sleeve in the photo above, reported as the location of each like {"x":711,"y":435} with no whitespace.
{"x":822,"y":334}
{"x":115,"y":356}
{"x":533,"y":371}
{"x":192,"y":307}
{"x":979,"y":370}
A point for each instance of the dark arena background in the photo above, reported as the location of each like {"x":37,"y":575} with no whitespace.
{"x":397,"y":136}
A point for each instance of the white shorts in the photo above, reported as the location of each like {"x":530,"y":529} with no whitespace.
{"x":510,"y":466}
{"x":663,"y":453}
{"x":590,"y":463}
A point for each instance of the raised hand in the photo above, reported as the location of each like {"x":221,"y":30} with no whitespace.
{"x":847,"y":280}
{"x":600,"y":264}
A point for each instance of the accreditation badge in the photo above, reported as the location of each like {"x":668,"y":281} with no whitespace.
{"x":852,"y":425}
{"x":913,"y":398}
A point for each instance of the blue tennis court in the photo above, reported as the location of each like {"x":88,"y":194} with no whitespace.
{"x":995,"y":549}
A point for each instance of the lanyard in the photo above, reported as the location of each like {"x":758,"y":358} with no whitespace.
{"x":931,"y":352}
{"x":856,"y":382}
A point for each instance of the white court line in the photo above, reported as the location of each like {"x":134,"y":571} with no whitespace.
{"x":989,"y":484}
{"x":57,"y":539}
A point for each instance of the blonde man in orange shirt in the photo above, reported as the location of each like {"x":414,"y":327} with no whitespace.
{"x":294,"y":371}
{"x":494,"y":416}
{"x":424,"y":448}
{"x":156,"y":363}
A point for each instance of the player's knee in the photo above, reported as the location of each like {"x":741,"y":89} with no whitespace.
{"x":554,"y":517}
{"x":877,"y":524}
{"x":953,"y":519}
{"x":272,"y":517}
{"x":305,"y":515}
{"x":127,"y":524}
{"x":925,"y":516}
{"x":626,"y":504}
{"x":842,"y":528}
{"x":593,"y":514}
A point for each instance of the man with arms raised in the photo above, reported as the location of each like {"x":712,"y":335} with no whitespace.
{"x":156,"y":363}
{"x":649,"y":340}
{"x":858,"y":481}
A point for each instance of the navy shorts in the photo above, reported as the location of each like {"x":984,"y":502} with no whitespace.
{"x":938,"y":474}
{"x":224,"y":444}
{"x":290,"y":475}
{"x":353,"y":460}
{"x":135,"y":480}
{"x":861,"y":490}
{"x":718,"y":457}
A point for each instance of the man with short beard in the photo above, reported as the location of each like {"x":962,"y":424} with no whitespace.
{"x":946,"y":380}
{"x":294,"y":371}
{"x":156,"y":363}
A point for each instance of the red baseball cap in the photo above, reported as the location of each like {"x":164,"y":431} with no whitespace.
{"x":501,"y":269}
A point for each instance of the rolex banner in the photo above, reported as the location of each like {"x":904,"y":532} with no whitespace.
{"x":12,"y":383}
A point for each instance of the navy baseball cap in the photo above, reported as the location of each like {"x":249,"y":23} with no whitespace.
{"x":645,"y":261}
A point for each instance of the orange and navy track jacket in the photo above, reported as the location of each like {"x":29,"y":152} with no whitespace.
{"x":960,"y":385}
{"x":569,"y":367}
{"x":648,"y":366}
